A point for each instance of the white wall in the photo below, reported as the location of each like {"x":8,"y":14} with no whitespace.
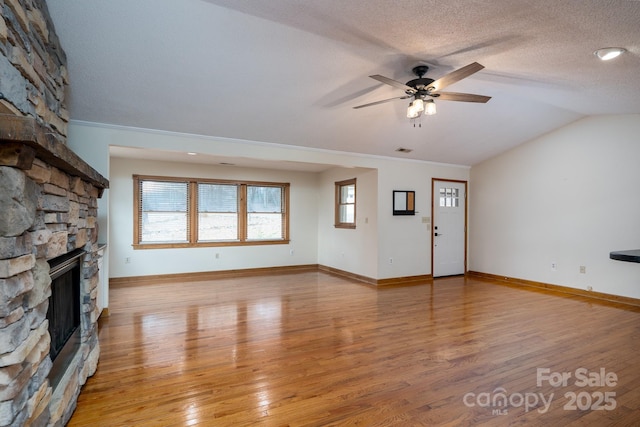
{"x":405,"y":239}
{"x":352,"y":250}
{"x":569,"y":197}
{"x":143,"y":262}
{"x":380,"y":236}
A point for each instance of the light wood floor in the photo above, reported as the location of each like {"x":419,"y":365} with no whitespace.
{"x":311,"y":349}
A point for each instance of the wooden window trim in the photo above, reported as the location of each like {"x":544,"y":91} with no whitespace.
{"x":338,"y":187}
{"x":192,"y":222}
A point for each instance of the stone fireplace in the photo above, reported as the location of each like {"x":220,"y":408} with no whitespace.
{"x":48,"y":213}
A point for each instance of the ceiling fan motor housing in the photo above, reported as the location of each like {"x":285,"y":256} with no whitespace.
{"x":421,"y":84}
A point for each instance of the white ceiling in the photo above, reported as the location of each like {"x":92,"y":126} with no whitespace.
{"x":290,"y":71}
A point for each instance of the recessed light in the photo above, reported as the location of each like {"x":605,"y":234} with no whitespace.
{"x":191,"y":153}
{"x":608,"y":53}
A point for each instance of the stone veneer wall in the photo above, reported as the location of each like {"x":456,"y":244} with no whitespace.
{"x":50,"y":214}
{"x":46,"y":210}
{"x":33,"y":72}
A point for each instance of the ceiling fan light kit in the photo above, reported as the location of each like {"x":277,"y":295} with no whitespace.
{"x":430,"y":107}
{"x":608,"y":53}
{"x":424,"y":89}
{"x":416,"y":107}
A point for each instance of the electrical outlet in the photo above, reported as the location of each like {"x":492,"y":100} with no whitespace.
{"x":583,"y":269}
{"x":217,"y":255}
{"x":390,"y":260}
{"x":127,"y":260}
{"x":291,"y":252}
{"x":554,"y":266}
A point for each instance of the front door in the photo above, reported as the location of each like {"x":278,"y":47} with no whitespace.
{"x":449,"y":227}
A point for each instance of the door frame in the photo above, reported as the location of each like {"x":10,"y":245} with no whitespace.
{"x":433,"y":217}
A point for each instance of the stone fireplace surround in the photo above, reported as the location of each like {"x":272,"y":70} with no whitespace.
{"x":49,"y":208}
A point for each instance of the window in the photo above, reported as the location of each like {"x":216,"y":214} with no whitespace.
{"x":449,"y":197}
{"x":217,"y":212}
{"x":163,"y":210}
{"x":264,"y":212}
{"x":187,"y":212}
{"x":345,"y":204}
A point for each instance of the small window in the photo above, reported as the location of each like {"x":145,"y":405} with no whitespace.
{"x":345,"y":204}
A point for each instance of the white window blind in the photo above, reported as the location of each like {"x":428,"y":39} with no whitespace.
{"x":163,"y":217}
{"x":217,"y":212}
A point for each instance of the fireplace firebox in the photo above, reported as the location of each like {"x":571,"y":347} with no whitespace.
{"x":64,"y":312}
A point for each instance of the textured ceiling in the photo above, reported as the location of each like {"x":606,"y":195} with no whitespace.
{"x":290,"y":71}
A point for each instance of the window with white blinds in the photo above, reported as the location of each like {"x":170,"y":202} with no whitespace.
{"x":163,"y":213}
{"x":217,"y":212}
{"x":185,"y":212}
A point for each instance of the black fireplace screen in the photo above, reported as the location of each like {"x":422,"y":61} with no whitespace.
{"x":64,"y":303}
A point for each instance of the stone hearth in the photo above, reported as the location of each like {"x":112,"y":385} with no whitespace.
{"x":48,"y":208}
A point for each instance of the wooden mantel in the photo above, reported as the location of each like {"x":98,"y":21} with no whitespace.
{"x":628,"y":256}
{"x":23,"y":139}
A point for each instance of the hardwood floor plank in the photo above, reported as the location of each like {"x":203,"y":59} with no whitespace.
{"x":313,"y":349}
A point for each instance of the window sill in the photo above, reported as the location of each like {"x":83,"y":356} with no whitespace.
{"x":351,"y":226}
{"x":208,"y":244}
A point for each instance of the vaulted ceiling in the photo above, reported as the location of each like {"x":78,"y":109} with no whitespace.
{"x":291,"y":71}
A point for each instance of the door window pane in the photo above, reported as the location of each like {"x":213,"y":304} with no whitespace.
{"x":449,"y":197}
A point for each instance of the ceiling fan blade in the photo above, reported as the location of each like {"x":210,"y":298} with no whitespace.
{"x":464,"y":97}
{"x":387,"y":80}
{"x":455,"y":76}
{"x":382,"y":102}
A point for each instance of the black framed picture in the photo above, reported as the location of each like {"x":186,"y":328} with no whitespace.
{"x":404,"y":202}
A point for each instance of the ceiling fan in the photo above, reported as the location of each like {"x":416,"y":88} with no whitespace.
{"x":424,"y":89}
